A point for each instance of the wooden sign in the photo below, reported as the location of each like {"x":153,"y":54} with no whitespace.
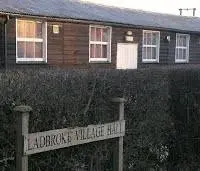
{"x":28,"y":144}
{"x":61,"y":138}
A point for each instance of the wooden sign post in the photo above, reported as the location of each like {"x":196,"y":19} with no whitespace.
{"x":22,"y":129}
{"x":33,"y":143}
{"x":118,"y":153}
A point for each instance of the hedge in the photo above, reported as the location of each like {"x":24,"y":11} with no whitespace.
{"x":70,"y":98}
{"x":185,"y":111}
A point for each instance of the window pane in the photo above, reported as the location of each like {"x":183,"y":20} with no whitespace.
{"x":38,"y":30}
{"x":154,"y":38}
{"x":92,"y":51}
{"x":21,"y":49}
{"x":104,"y":51}
{"x":182,"y":39}
{"x":148,"y":52}
{"x":144,"y":54}
{"x":92,"y":34}
{"x":21,"y":29}
{"x":177,"y":53}
{"x":149,"y":39}
{"x":145,"y":39}
{"x":106,"y":32}
{"x":98,"y":51}
{"x":184,"y":54}
{"x":98,"y":34}
{"x":178,"y":41}
{"x":154,"y":53}
{"x":29,"y":50}
{"x":30,"y":29}
{"x":180,"y":54}
{"x":38,"y":50}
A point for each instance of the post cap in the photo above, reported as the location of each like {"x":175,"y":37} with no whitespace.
{"x":118,"y":100}
{"x":23,"y":109}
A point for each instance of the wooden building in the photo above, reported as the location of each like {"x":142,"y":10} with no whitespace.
{"x":71,"y":33}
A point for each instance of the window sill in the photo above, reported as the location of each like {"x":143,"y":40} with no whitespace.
{"x":99,"y":61}
{"x":31,"y":62}
{"x":181,"y":62}
{"x":151,"y":61}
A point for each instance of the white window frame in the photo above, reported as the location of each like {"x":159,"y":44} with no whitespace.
{"x":44,"y":40}
{"x":108,"y":59}
{"x":187,"y":47}
{"x":156,"y":46}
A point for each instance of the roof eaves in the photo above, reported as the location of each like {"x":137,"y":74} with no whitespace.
{"x":86,"y":21}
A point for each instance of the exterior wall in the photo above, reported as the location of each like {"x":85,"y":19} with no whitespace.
{"x":1,"y":45}
{"x":194,"y":49}
{"x":70,"y":48}
{"x":11,"y":36}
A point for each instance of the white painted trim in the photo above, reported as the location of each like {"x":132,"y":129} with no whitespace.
{"x":181,"y":61}
{"x":155,"y":46}
{"x":181,"y":47}
{"x":16,"y":20}
{"x":150,"y":46}
{"x":44,"y":40}
{"x":30,"y":59}
{"x":110,"y":56}
{"x":187,"y":47}
{"x":149,"y":60}
{"x":151,"y":31}
{"x":30,"y":40}
{"x":108,"y":59}
{"x":99,"y":60}
{"x":99,"y":43}
{"x":30,"y":21}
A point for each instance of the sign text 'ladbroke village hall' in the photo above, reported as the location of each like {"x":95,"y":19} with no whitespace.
{"x":61,"y":138}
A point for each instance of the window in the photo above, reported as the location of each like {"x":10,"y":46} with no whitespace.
{"x":151,"y":45}
{"x":31,"y":40}
{"x":100,"y":44}
{"x":182,"y":48}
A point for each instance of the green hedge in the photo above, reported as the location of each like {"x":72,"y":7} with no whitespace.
{"x":185,"y":110}
{"x":70,"y":98}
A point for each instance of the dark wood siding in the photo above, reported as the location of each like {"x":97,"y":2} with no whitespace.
{"x":55,"y":45}
{"x":70,"y":48}
{"x":2,"y":59}
{"x":76,"y":44}
{"x":194,"y":49}
{"x":11,"y":36}
{"x":172,"y":48}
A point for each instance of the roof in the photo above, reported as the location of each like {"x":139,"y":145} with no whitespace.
{"x":74,"y":9}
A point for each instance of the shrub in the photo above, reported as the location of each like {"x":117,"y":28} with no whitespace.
{"x":185,"y":105}
{"x":70,"y":98}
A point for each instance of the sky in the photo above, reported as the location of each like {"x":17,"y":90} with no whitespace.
{"x":161,"y":6}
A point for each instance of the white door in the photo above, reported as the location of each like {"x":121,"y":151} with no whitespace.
{"x":127,"y":54}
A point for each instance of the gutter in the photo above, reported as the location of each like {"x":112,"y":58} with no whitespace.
{"x":86,"y":21}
